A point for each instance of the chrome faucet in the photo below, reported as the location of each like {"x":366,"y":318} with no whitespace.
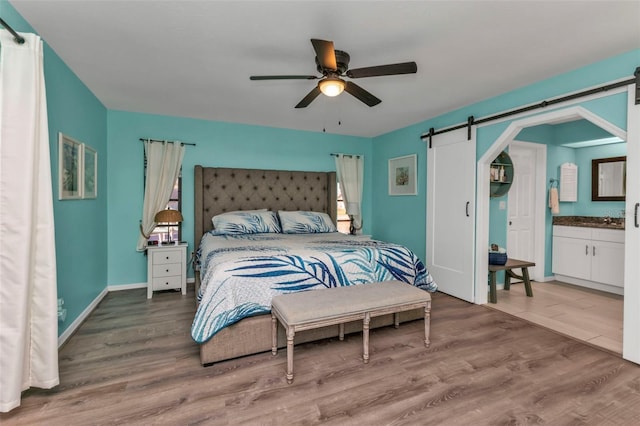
{"x":607,"y":220}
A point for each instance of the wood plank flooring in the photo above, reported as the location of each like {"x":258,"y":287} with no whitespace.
{"x":589,"y":315}
{"x":133,"y":362}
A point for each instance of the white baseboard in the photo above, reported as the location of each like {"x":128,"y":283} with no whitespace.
{"x":76,"y":323}
{"x":591,"y":284}
{"x":119,"y":287}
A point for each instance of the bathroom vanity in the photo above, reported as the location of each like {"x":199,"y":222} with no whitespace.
{"x":589,"y":251}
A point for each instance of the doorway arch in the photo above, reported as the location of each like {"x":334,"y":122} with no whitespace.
{"x":559,"y":115}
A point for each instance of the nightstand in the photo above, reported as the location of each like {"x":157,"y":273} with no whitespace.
{"x":167,"y":268}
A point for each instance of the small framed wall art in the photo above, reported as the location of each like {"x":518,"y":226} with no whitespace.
{"x":403,"y":175}
{"x":77,"y":169}
{"x":90,"y":166}
{"x":69,"y":168}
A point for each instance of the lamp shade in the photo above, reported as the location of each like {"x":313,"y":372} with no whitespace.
{"x":168,"y":216}
{"x":331,"y":86}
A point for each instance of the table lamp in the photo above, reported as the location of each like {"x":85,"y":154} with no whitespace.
{"x":168,"y":216}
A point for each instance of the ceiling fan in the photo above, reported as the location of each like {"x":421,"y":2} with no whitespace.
{"x":333,"y":65}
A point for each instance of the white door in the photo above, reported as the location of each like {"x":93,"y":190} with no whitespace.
{"x":451,"y":182}
{"x":631,"y":328}
{"x":521,"y":201}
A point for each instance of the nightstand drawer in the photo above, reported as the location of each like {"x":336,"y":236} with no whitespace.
{"x":167,"y":256}
{"x":167,"y":270}
{"x":167,"y":283}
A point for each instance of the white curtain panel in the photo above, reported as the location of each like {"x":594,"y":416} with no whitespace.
{"x":28,"y":293}
{"x":164,"y":160}
{"x":350,"y":174}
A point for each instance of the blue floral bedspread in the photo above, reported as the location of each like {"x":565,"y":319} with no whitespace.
{"x":241,"y":273}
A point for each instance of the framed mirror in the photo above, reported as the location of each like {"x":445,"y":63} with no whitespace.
{"x":609,"y":179}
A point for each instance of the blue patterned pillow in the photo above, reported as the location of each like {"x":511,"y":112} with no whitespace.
{"x":246,"y":222}
{"x":300,"y":222}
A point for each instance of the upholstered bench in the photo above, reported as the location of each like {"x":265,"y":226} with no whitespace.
{"x":336,"y":306}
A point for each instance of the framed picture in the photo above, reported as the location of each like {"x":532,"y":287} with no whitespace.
{"x":402,"y":175}
{"x":69,"y":168}
{"x":90,"y":166}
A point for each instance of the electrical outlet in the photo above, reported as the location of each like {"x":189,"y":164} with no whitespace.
{"x":62,"y":313}
{"x":502,"y":205}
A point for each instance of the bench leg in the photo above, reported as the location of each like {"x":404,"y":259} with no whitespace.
{"x":427,"y":324}
{"x":274,"y":335}
{"x":341,"y":331}
{"x":365,"y":337}
{"x":507,"y":279}
{"x":493,"y":298}
{"x":396,"y":320}
{"x":290,"y":335}
{"x":527,"y":282}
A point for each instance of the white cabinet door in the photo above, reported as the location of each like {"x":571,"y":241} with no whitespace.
{"x":572,"y":257}
{"x":607,"y":263}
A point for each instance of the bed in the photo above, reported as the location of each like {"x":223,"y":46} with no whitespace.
{"x":225,"y":332}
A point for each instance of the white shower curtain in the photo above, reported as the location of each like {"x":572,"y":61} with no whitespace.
{"x":28,"y":307}
{"x":350,"y":174}
{"x":164,"y":160}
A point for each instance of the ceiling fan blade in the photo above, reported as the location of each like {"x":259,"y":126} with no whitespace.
{"x":325,"y":53}
{"x":309,"y":98}
{"x":391,"y":69}
{"x":282,"y":77}
{"x":361,"y":94}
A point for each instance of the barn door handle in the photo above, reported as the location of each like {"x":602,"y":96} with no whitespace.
{"x":635,"y":215}
{"x":467,"y":211}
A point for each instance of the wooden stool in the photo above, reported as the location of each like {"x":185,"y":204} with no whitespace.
{"x":511,"y":264}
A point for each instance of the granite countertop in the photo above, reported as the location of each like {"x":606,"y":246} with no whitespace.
{"x":590,"y":221}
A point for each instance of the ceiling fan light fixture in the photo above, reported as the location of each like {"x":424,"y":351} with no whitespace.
{"x":331,"y":86}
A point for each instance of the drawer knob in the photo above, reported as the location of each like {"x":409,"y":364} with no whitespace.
{"x":167,"y":270}
{"x":167,"y":258}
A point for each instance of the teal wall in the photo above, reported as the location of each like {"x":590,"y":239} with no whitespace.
{"x":218,"y":144}
{"x":404,"y":221}
{"x":95,"y":239}
{"x":399,"y":218}
{"x":81,"y":225}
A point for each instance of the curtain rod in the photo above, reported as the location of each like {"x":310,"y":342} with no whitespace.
{"x":158,"y":140}
{"x":16,"y":37}
{"x":471,"y":121}
{"x":346,"y":155}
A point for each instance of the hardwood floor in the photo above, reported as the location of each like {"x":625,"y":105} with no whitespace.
{"x":133,"y":362}
{"x":588,"y":315}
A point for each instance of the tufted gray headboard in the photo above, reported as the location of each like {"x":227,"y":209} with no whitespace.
{"x":219,"y":190}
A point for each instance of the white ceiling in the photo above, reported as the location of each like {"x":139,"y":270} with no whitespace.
{"x":194,"y":58}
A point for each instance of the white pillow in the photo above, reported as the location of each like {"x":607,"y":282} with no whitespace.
{"x":301,"y":222}
{"x":246,"y":222}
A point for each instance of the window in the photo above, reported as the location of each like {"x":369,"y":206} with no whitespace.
{"x":174,"y":230}
{"x":343,"y":218}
